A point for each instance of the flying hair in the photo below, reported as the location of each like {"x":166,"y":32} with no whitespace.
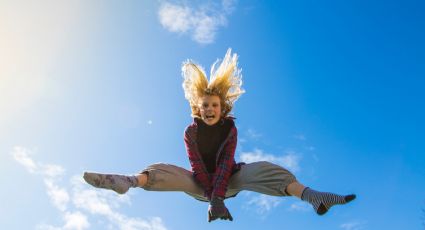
{"x":225,"y":82}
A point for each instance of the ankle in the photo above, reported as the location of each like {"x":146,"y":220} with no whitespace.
{"x":302,"y":193}
{"x":142,"y":179}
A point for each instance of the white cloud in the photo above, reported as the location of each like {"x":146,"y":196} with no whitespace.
{"x":46,"y":227}
{"x":253,"y":134}
{"x":175,"y":18}
{"x":228,"y":5}
{"x":353,"y":225}
{"x":300,"y":206}
{"x":75,"y":220}
{"x":58,"y":196}
{"x":86,"y":201}
{"x":264,"y":203}
{"x":290,"y":160}
{"x":21,"y":156}
{"x":52,"y":170}
{"x":260,"y":203}
{"x":257,"y":155}
{"x":92,"y":201}
{"x":200,"y":22}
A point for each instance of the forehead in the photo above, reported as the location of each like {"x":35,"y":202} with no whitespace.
{"x":209,"y":99}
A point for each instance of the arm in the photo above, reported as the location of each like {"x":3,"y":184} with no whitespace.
{"x":217,"y":208}
{"x":225,"y":165}
{"x":198,"y":169}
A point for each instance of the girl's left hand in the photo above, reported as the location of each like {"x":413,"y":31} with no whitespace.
{"x":217,"y":209}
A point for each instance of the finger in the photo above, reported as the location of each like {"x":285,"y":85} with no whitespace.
{"x":226,"y":216}
{"x":230,"y":216}
{"x":211,"y":218}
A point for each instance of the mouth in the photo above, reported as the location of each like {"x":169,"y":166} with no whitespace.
{"x":209,"y":117}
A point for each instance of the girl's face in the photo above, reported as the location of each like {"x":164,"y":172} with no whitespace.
{"x":210,"y":109}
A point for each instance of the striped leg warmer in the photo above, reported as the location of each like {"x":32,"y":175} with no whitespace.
{"x":323,"y":201}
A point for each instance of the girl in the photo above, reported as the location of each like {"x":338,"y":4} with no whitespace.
{"x":210,"y":144}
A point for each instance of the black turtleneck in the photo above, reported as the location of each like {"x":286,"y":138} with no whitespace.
{"x":209,"y":140}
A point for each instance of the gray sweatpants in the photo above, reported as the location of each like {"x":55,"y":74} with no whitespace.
{"x":262,"y":177}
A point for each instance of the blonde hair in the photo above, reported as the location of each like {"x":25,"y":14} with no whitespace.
{"x":225,"y":82}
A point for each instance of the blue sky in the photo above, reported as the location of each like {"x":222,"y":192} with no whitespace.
{"x":335,"y":91}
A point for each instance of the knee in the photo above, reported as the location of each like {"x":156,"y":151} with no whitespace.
{"x":147,"y":175}
{"x":155,"y":167}
{"x":158,"y":165}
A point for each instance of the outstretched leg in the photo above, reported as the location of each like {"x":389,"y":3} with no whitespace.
{"x":321,"y":201}
{"x":271,"y":179}
{"x":156,"y":177}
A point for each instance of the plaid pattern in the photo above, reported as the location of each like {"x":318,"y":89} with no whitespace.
{"x":215,"y":185}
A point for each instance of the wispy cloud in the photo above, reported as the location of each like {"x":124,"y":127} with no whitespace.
{"x":103,"y":203}
{"x":200,"y":22}
{"x":253,"y":134}
{"x":58,"y":196}
{"x":265,"y":203}
{"x":353,"y":225}
{"x":73,"y":220}
{"x":79,"y":203}
{"x":300,"y":206}
{"x":262,"y":203}
{"x":290,"y":160}
{"x":22,"y":156}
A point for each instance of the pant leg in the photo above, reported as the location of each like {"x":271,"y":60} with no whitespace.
{"x":262,"y":177}
{"x":167,"y":177}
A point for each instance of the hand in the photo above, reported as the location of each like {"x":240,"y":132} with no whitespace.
{"x":217,"y":209}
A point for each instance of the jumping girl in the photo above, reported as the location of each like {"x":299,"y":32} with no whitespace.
{"x":210,"y":144}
